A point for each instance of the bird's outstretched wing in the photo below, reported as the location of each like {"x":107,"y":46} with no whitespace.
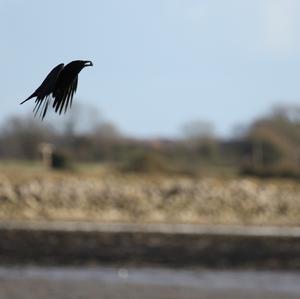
{"x":44,"y":91}
{"x":63,"y":97}
{"x":66,"y":86}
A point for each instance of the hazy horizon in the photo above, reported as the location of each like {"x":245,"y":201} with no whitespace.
{"x":157,"y":64}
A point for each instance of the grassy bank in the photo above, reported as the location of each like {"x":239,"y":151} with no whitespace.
{"x":100,"y":193}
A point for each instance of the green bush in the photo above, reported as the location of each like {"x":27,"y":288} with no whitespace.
{"x":147,"y":163}
{"x":282,"y":170}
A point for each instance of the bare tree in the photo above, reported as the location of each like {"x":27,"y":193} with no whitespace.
{"x":20,"y":137}
{"x":197,"y":130}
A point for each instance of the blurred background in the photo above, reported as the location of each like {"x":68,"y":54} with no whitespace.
{"x":187,"y":125}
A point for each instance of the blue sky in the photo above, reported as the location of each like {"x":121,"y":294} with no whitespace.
{"x":158,"y":64}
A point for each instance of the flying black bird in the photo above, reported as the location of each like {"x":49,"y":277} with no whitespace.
{"x":61,"y":85}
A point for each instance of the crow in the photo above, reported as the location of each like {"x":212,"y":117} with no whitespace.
{"x":60,"y":85}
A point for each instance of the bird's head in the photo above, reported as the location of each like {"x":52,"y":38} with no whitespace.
{"x":78,"y":65}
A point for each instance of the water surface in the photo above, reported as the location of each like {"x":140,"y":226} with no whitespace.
{"x":131,"y":283}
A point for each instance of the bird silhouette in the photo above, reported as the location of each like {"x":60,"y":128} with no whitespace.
{"x":60,"y":85}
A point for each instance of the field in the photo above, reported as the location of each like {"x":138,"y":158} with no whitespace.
{"x":101,"y":193}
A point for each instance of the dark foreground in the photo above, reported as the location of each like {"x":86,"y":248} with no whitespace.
{"x":219,"y":247}
{"x":136,"y":283}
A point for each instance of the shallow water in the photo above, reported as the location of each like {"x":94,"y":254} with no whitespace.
{"x":131,"y":283}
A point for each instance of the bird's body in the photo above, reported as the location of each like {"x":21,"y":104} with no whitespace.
{"x":60,"y":84}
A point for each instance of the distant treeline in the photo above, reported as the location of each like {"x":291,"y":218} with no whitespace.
{"x":269,"y":146}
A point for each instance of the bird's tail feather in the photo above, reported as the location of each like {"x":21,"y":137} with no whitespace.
{"x":30,"y":97}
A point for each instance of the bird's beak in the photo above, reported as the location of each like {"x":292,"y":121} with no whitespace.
{"x":88,"y":63}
